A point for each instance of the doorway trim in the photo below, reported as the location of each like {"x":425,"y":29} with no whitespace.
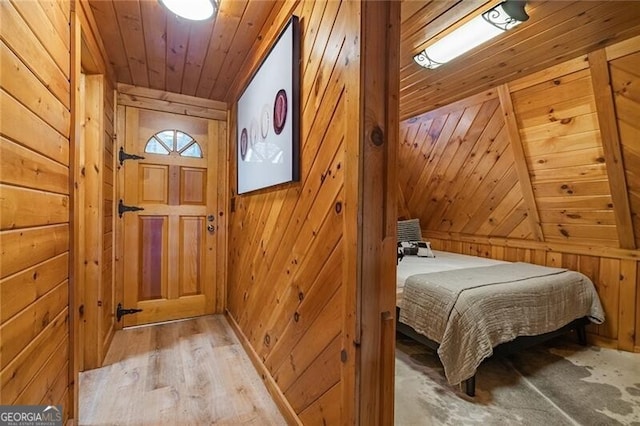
{"x":87,"y":57}
{"x":157,"y":100}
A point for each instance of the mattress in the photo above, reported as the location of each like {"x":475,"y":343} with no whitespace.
{"x":444,"y":261}
{"x":474,"y":308}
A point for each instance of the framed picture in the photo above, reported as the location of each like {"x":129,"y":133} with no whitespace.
{"x":268,"y":119}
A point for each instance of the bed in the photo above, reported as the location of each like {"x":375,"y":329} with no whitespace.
{"x":469,"y":308}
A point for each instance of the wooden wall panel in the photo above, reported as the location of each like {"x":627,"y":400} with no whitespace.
{"x":291,"y":291}
{"x":625,"y":78}
{"x":457,"y":173}
{"x":17,"y":32}
{"x":34,"y":189}
{"x":570,"y":120}
{"x":564,"y":107}
{"x":285,"y":236}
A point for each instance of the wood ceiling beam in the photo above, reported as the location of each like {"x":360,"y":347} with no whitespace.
{"x":142,"y":97}
{"x":623,"y":48}
{"x":520,"y":161}
{"x":601,"y":81}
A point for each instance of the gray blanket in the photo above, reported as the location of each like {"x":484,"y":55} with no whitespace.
{"x":470,"y":311}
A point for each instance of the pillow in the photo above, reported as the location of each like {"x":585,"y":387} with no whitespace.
{"x":424,"y":249}
{"x":409,"y":230}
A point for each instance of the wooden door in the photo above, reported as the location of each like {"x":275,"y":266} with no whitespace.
{"x":170,"y":246}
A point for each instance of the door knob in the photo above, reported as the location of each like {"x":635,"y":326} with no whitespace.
{"x":211,"y":228}
{"x":210,"y":218}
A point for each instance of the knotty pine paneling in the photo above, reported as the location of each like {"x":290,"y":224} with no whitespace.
{"x":34,"y":189}
{"x":290,"y":237}
{"x":289,"y":252}
{"x":556,"y":31}
{"x":625,"y":79}
{"x":456,"y":171}
{"x":560,"y":135}
{"x":472,"y":204}
{"x":153,"y":48}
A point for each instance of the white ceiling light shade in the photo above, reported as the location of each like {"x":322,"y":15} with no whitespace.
{"x":194,"y":10}
{"x":478,"y":30}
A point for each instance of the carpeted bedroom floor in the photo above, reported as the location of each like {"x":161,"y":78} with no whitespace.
{"x":557,"y":383}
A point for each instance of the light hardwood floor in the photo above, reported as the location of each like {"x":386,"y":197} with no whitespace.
{"x":186,"y":372}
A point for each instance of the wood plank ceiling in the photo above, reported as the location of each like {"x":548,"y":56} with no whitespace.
{"x":556,"y":31}
{"x":151,"y":47}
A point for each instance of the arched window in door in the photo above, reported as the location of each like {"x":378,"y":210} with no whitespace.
{"x":173,"y":142}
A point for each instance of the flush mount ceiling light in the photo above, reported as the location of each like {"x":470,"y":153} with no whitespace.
{"x":482,"y":28}
{"x":195,"y":10}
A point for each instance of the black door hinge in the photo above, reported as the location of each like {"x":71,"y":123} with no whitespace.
{"x":122,"y":156}
{"x":122,"y":208}
{"x":120,"y":311}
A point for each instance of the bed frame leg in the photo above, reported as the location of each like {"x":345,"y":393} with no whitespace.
{"x":470,"y":386}
{"x":582,"y":334}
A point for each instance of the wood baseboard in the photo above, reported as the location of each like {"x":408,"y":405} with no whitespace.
{"x":281,"y":401}
{"x":603,"y":342}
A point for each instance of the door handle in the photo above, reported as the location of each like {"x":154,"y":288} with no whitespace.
{"x":211,"y":228}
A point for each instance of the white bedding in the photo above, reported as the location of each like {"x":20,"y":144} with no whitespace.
{"x":444,"y":261}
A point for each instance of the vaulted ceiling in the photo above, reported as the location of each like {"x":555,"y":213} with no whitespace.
{"x":555,"y":32}
{"x":150,"y":47}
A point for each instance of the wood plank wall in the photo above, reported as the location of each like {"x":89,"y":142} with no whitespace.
{"x":295,"y":250}
{"x":34,"y":202}
{"x":292,"y":238}
{"x":625,"y":78}
{"x":543,"y":169}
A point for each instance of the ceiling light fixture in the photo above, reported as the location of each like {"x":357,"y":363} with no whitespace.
{"x":194,"y":10}
{"x":478,"y":30}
